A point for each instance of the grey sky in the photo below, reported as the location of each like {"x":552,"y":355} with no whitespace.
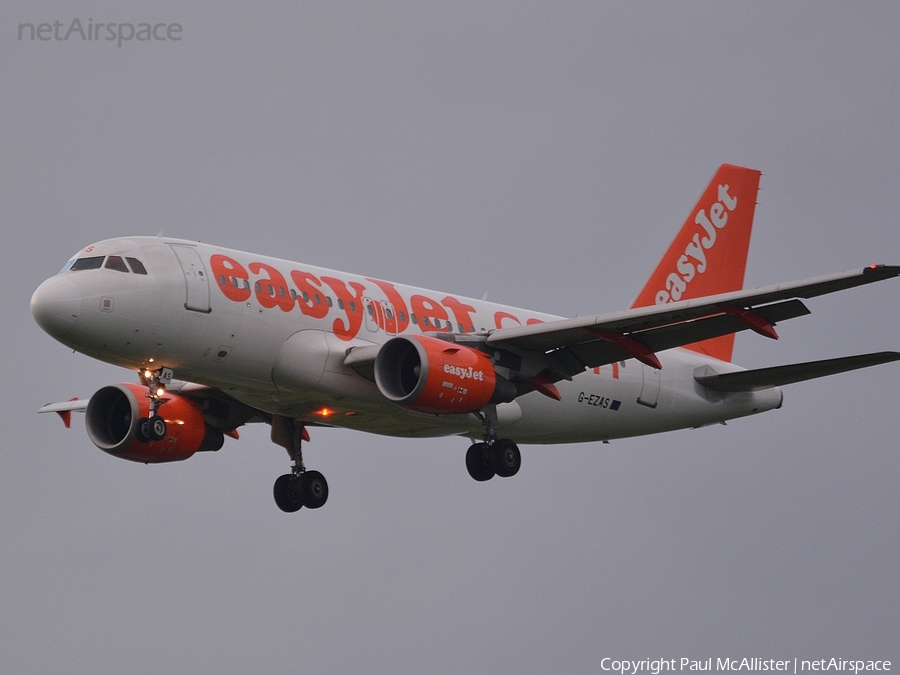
{"x":546,"y":153}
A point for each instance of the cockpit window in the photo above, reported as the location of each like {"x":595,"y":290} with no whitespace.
{"x":116,"y":263}
{"x":113,"y":262}
{"x":136,"y":266}
{"x":92,"y":263}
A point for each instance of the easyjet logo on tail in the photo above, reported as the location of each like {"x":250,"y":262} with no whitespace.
{"x":693,"y":261}
{"x":709,"y":254}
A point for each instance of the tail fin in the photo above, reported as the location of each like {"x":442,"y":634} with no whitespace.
{"x":709,"y":254}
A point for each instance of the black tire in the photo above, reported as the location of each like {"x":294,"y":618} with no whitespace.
{"x":315,"y":490}
{"x":288,"y":493}
{"x":158,"y":428}
{"x":476,"y":463}
{"x":142,"y":433}
{"x":505,"y":458}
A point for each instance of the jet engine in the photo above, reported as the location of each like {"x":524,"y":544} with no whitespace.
{"x":114,"y":414}
{"x":434,"y":376}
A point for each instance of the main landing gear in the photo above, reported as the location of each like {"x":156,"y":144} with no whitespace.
{"x":153,"y":428}
{"x":495,"y":456}
{"x":299,"y":488}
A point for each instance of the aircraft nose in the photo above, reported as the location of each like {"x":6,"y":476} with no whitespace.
{"x":56,"y":305}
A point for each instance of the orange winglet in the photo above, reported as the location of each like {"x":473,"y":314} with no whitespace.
{"x":751,"y":320}
{"x":631,"y":346}
{"x":542,"y":384}
{"x":232,"y":433}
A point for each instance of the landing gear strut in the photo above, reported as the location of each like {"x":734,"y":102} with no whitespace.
{"x":153,"y":428}
{"x":495,"y":456}
{"x":299,"y":488}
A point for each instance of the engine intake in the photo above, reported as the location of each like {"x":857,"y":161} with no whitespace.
{"x":113,"y":415}
{"x":429,"y":375}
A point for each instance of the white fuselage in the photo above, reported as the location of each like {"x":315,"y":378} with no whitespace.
{"x":274,"y":334}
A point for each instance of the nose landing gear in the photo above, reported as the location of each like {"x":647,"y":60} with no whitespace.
{"x":153,"y":428}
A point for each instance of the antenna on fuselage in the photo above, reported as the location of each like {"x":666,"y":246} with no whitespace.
{"x":160,"y":233}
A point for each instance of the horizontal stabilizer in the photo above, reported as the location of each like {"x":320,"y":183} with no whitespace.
{"x":763,"y":378}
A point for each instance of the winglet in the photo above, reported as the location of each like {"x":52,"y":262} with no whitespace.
{"x":709,"y":254}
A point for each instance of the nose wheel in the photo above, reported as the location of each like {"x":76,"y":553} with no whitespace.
{"x":153,"y":428}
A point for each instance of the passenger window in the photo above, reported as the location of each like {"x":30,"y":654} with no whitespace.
{"x":136,"y":266}
{"x":116,"y":263}
{"x":93,"y":263}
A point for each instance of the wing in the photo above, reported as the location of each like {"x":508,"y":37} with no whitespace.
{"x":571,"y":345}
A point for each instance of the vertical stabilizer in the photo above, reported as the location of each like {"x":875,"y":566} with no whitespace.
{"x":709,"y":254}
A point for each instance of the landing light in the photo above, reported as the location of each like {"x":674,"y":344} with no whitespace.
{"x":160,"y":391}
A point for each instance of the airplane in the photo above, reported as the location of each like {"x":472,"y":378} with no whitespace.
{"x":258,"y":339}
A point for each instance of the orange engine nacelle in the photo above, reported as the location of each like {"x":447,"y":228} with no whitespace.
{"x":434,"y":376}
{"x":113,"y":415}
